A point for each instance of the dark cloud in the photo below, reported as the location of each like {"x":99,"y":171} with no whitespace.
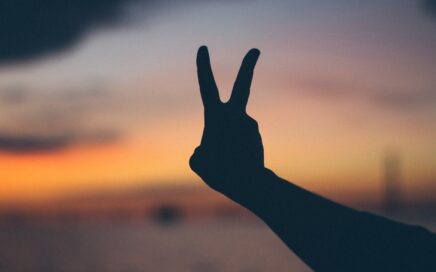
{"x":30,"y":144}
{"x":45,"y":121}
{"x":33,"y":28}
{"x":430,"y":7}
{"x":30,"y":29}
{"x":39,"y":144}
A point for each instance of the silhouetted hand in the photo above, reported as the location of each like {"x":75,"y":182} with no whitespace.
{"x":324,"y":234}
{"x":231,"y":150}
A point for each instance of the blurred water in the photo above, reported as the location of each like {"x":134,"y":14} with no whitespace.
{"x":245,"y":246}
{"x":225,"y":245}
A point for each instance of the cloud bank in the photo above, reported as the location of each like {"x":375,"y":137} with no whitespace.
{"x":37,"y":121}
{"x":41,"y":144}
{"x":35,"y":28}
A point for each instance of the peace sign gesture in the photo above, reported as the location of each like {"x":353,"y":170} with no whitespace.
{"x":231,"y":150}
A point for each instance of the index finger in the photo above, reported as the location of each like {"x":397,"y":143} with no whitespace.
{"x":208,"y":89}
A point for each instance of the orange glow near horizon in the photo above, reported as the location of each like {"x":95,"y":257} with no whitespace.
{"x":345,"y":165}
{"x":337,"y":86}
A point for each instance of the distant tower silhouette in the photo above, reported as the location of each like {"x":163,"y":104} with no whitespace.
{"x":392,"y":183}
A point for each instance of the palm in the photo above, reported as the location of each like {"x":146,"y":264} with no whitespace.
{"x":231,"y":147}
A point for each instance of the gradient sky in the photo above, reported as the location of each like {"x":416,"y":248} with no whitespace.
{"x":338,"y":85}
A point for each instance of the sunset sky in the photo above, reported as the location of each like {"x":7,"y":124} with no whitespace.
{"x":338,"y":85}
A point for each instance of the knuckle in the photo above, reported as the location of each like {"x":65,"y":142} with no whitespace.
{"x":194,"y":160}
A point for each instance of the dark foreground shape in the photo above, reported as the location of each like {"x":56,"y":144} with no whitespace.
{"x":325,"y":235}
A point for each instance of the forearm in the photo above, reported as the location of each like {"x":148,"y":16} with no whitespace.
{"x":331,"y":237}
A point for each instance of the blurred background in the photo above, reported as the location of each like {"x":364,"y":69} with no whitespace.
{"x":100,"y":112}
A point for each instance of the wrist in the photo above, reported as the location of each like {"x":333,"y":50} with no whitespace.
{"x":257,"y":190}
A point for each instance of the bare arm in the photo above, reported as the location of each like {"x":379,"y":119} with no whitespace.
{"x":326,"y":235}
